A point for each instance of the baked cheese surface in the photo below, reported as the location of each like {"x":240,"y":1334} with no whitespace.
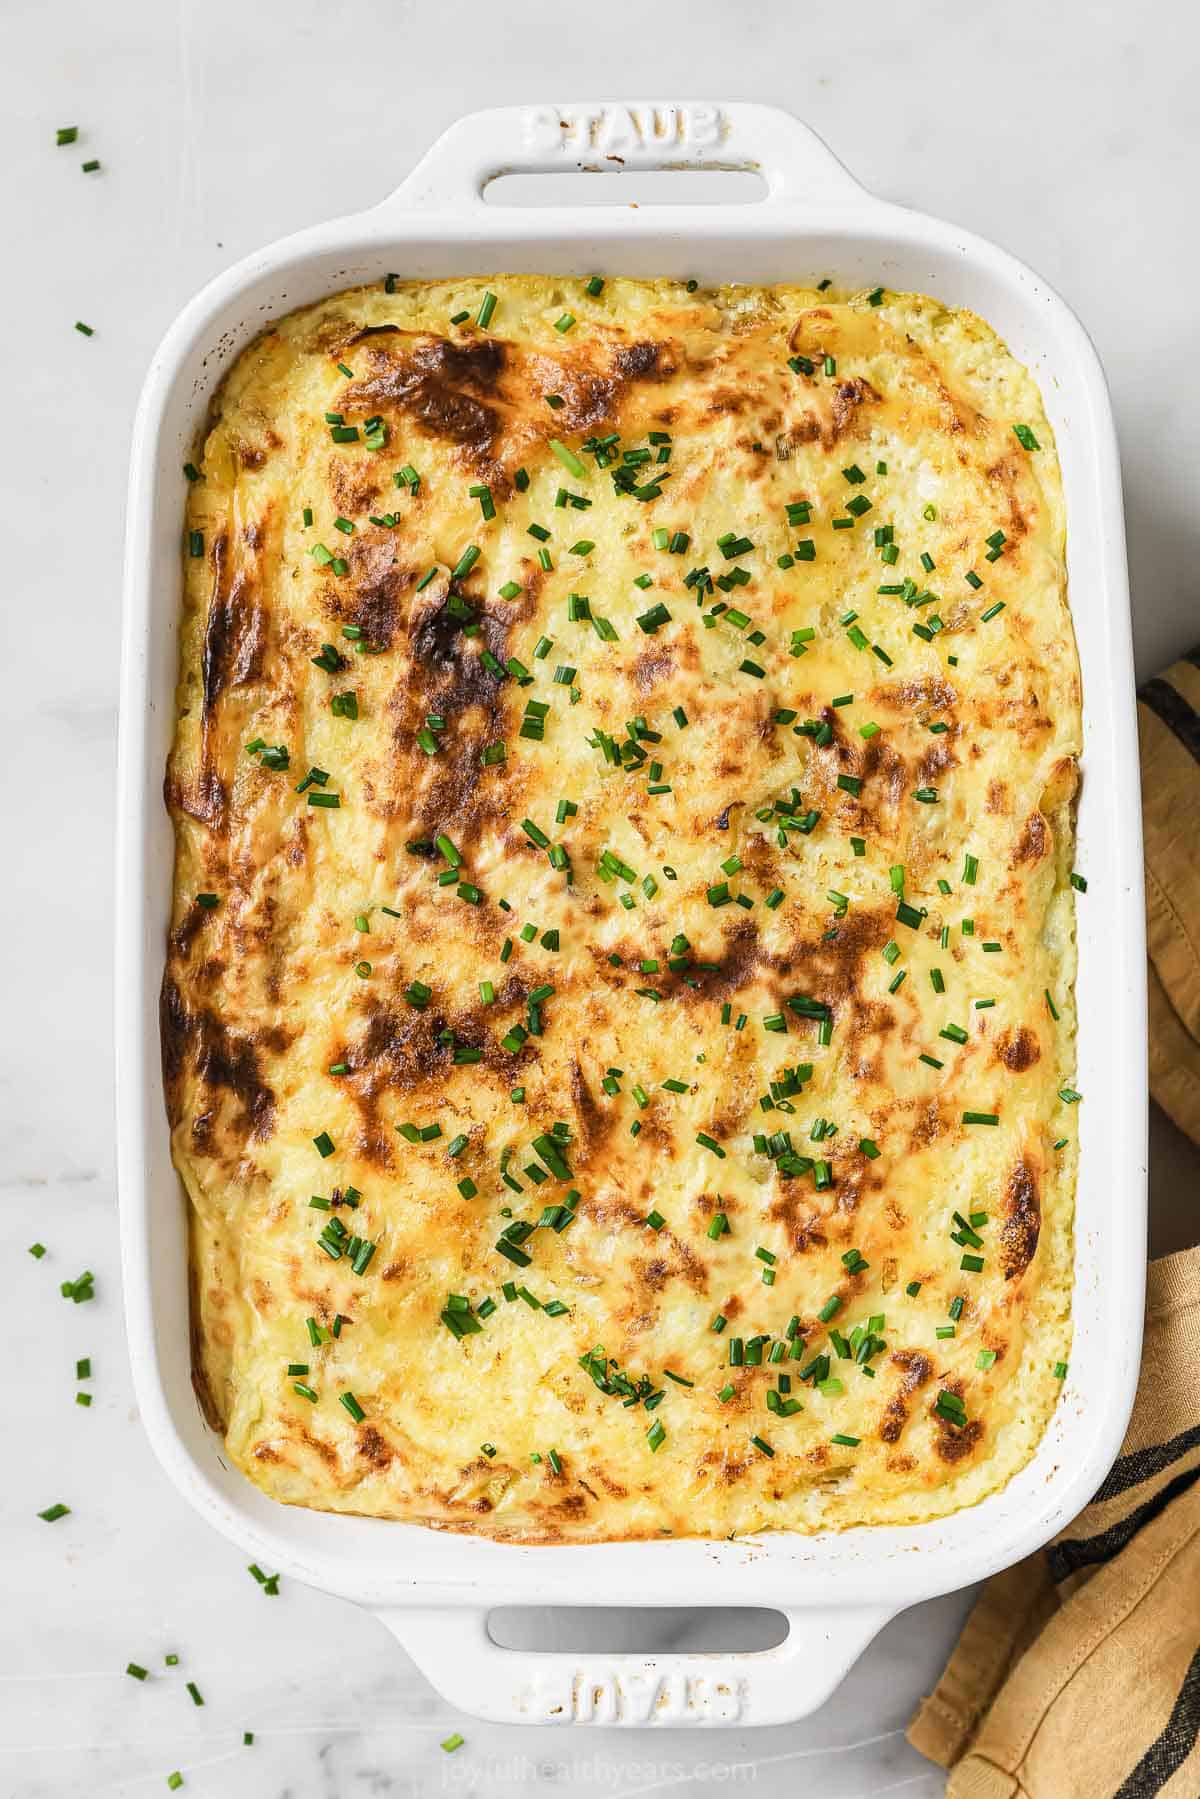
{"x":618,"y":1020}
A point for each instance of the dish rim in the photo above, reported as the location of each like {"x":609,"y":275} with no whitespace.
{"x":815,"y":210}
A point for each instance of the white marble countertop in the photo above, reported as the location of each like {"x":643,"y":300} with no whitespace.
{"x":1066,"y":132}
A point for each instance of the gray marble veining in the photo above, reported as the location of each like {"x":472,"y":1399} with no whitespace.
{"x":1066,"y":133}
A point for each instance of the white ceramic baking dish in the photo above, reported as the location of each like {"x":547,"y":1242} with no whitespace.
{"x":435,"y":1589}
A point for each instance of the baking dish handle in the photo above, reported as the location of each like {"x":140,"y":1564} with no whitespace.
{"x":796,"y":165}
{"x":453,"y":1649}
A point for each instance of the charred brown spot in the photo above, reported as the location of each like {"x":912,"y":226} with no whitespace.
{"x":222,"y":1059}
{"x":203,"y":799}
{"x":651,"y":667}
{"x":319,"y":1446}
{"x":1022,"y":1220}
{"x":488,"y":397}
{"x":955,"y":1442}
{"x":373,"y":1447}
{"x":571,"y":1507}
{"x":188,"y":928}
{"x":848,"y":398}
{"x":804,"y":1224}
{"x":831,"y":967}
{"x":1019,"y":1050}
{"x":643,"y":361}
{"x":443,"y":386}
{"x":395,"y":1053}
{"x":235,"y":630}
{"x":915,"y":1367}
{"x":929,"y":693}
{"x":454,"y":669}
{"x":593,"y":1126}
{"x":885,"y":775}
{"x":375,"y":596}
{"x":353,"y":485}
{"x":927,"y":1126}
{"x":603,"y":1479}
{"x":737,"y":962}
{"x":935,"y":761}
{"x":1033,"y":842}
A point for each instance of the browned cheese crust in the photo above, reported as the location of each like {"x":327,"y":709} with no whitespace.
{"x":618,"y":1001}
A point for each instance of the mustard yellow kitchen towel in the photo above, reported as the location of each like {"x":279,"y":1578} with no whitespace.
{"x":1077,"y":1675}
{"x":1169,"y":734}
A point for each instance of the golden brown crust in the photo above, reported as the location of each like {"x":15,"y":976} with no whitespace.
{"x":761,"y":899}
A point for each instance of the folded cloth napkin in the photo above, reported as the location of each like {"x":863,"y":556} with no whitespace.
{"x":1077,"y":1675}
{"x":1169,"y":734}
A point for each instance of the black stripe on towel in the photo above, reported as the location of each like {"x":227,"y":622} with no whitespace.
{"x":1130,"y":1470}
{"x":1174,"y":711}
{"x":1168,"y":1752}
{"x":1088,"y":1552}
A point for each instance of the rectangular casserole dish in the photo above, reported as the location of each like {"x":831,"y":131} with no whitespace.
{"x":837,"y":1589}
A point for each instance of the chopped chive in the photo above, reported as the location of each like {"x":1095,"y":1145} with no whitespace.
{"x":568,"y":459}
{"x":466,"y":562}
